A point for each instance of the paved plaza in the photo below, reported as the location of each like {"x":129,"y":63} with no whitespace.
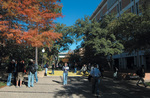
{"x":78,"y":87}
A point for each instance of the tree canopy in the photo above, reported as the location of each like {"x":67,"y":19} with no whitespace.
{"x":35,"y":15}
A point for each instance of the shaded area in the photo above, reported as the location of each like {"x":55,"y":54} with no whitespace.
{"x":77,"y":86}
{"x":109,"y":88}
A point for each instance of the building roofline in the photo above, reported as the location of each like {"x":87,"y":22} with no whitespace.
{"x":94,"y":13}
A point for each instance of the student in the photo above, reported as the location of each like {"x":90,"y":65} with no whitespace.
{"x":84,"y":69}
{"x":115,"y":72}
{"x":10,"y":71}
{"x":36,"y":68}
{"x":53,"y":68}
{"x":65,"y":74}
{"x":31,"y":71}
{"x":20,"y":72}
{"x":46,"y":68}
{"x":95,"y":73}
{"x":141,"y":73}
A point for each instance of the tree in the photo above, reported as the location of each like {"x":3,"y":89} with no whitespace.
{"x":133,"y":30}
{"x":96,"y":37}
{"x":29,"y":22}
{"x":63,"y":43}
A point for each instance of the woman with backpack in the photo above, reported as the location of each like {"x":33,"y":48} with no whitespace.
{"x":31,"y":71}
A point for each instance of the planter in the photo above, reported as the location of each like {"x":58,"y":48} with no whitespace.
{"x":41,"y":73}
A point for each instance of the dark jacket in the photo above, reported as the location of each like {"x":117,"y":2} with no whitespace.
{"x":53,"y":67}
{"x":20,"y":67}
{"x":142,"y":72}
{"x":11,"y":67}
{"x":29,"y":66}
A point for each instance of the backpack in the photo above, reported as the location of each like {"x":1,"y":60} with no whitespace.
{"x":32,"y":69}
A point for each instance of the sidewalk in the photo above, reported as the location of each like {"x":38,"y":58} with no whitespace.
{"x":78,"y":87}
{"x":50,"y":87}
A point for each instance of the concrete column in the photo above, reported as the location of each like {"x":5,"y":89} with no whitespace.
{"x":142,"y":60}
{"x":139,"y":60}
{"x":135,"y":61}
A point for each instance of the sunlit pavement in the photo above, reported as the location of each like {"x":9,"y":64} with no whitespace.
{"x":78,"y":87}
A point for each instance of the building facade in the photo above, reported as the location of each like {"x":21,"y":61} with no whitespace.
{"x":118,"y":7}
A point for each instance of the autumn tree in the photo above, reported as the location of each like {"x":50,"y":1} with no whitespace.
{"x":29,"y":22}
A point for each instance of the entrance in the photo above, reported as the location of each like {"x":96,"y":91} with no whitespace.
{"x":148,"y":62}
{"x":130,"y":62}
{"x":116,"y":63}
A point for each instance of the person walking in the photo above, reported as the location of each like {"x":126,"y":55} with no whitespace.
{"x":141,"y":73}
{"x":36,"y":68}
{"x":84,"y":69}
{"x":65,"y":74}
{"x":10,"y":71}
{"x":53,"y":68}
{"x":115,"y":72}
{"x":15,"y":72}
{"x":31,"y":71}
{"x":20,"y":72}
{"x":46,"y":68}
{"x":95,"y":73}
{"x":89,"y":67}
{"x":75,"y":68}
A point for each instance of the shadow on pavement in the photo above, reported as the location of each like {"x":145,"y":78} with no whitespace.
{"x":77,"y":86}
{"x":109,"y":88}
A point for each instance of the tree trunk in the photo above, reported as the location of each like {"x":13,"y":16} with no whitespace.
{"x":36,"y":55}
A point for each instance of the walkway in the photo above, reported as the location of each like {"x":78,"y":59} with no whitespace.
{"x":78,"y":87}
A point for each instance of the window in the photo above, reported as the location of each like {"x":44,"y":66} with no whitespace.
{"x":132,"y":9}
{"x":110,"y":3}
{"x":101,"y":14}
{"x":117,"y":8}
{"x":132,"y":0}
{"x":120,"y":4}
{"x":137,"y":8}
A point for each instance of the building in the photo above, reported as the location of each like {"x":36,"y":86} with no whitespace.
{"x":62,"y":55}
{"x":117,"y":7}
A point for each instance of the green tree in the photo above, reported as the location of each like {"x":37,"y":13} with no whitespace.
{"x":61,"y":44}
{"x":97,"y":40}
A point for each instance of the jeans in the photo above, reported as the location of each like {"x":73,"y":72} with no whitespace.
{"x":30,"y":79}
{"x":46,"y":70}
{"x":141,"y":79}
{"x":75,"y":70}
{"x":65,"y":75}
{"x":9,"y":79}
{"x":36,"y":78}
{"x":95,"y":85}
{"x":52,"y":71}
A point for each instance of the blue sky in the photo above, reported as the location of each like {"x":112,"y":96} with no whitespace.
{"x":75,"y":9}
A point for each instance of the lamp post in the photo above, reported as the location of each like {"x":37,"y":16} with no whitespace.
{"x":43,"y":50}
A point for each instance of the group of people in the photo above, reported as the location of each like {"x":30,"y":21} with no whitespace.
{"x":17,"y":70}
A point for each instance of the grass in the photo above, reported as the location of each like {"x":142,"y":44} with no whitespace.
{"x":147,"y":83}
{"x":2,"y":84}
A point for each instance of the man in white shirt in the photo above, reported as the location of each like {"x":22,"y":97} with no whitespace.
{"x":95,"y":73}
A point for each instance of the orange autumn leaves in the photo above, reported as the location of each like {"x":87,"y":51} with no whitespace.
{"x":37,"y":15}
